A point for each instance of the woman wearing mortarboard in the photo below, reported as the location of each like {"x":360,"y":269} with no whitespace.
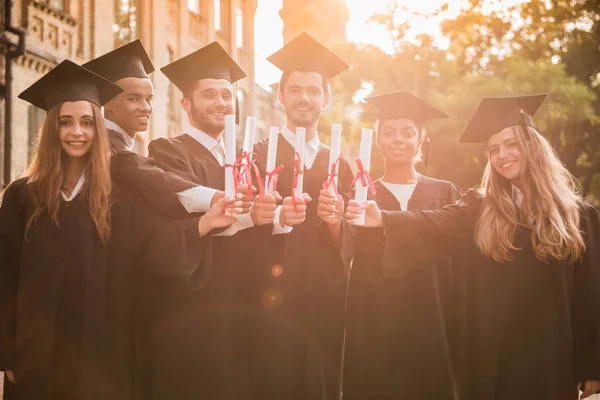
{"x":396,"y":318}
{"x":528,"y":252}
{"x":65,"y":278}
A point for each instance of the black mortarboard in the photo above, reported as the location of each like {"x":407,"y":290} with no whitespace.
{"x":130,"y":60}
{"x":304,"y":53}
{"x":496,"y":113}
{"x":398,"y":105}
{"x":69,"y":82}
{"x":211,"y":61}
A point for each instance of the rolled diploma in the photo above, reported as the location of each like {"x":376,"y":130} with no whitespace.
{"x":336,"y":142}
{"x":229,"y":155}
{"x":366,"y":140}
{"x":249,"y":142}
{"x":300,"y":145}
{"x":271,"y":154}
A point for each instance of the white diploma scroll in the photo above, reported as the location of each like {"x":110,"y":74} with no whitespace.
{"x":366,"y":140}
{"x":334,"y":153}
{"x":271,"y":157}
{"x":300,"y":146}
{"x":229,"y":155}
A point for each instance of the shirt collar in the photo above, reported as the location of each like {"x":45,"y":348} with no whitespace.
{"x":517,"y":196}
{"x":290,"y":137}
{"x":76,"y":190}
{"x":113,"y":126}
{"x":204,"y":139}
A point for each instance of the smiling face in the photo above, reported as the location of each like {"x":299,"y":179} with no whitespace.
{"x":77,"y":128}
{"x":132,"y":108}
{"x":304,"y":98}
{"x":399,"y":141}
{"x":208,"y":103}
{"x":504,"y":154}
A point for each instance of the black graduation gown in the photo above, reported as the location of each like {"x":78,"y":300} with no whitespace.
{"x":53,"y":286}
{"x":527,"y":329}
{"x":199,"y":331}
{"x":299,"y":334}
{"x":156,"y":186}
{"x":397,"y":317}
{"x":66,"y":297}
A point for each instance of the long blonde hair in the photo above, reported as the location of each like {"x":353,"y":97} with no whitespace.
{"x":46,"y":173}
{"x":550,"y":206}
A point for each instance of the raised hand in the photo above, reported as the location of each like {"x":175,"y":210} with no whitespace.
{"x":263,"y":211}
{"x":246,"y":200}
{"x":372,"y":213}
{"x":330,"y":208}
{"x":589,"y":388}
{"x":289,"y":216}
{"x":217,"y":218}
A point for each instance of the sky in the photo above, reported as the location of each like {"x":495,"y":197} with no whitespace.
{"x":268,"y":26}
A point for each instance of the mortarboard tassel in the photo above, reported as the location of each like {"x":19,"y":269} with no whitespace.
{"x":425,"y":151}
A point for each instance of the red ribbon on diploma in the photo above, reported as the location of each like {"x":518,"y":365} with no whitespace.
{"x":272,"y":177}
{"x":297,"y":172}
{"x":243,"y":169}
{"x":242,"y":173}
{"x":330,"y":182}
{"x":363,"y":176}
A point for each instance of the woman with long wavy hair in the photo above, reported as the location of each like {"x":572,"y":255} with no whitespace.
{"x":526,"y":253}
{"x":68,"y":237}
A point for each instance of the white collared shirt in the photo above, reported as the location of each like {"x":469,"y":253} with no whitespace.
{"x":115,"y":127}
{"x":311,"y":149}
{"x":218,"y":150}
{"x":76,"y":190}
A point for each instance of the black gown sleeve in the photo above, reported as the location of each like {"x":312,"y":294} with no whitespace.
{"x":171,"y":159}
{"x":427,"y":234}
{"x":586,"y":303}
{"x":157,"y":186}
{"x":12,"y":226}
{"x":171,"y":248}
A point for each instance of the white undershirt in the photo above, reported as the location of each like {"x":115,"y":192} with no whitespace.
{"x":402,"y":192}
{"x":310,"y":150}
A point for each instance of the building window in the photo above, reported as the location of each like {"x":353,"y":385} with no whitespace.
{"x":217,"y":7}
{"x":36,"y":118}
{"x":223,"y":17}
{"x":239,"y":28}
{"x":125,"y":27}
{"x":194,"y":6}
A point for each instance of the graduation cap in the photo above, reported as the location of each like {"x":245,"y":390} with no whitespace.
{"x":130,"y":60}
{"x":397,"y":105}
{"x":211,"y":61}
{"x":402,"y":104}
{"x":69,"y":82}
{"x":497,"y":113}
{"x":304,"y":53}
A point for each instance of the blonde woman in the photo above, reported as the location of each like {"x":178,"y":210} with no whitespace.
{"x":527,"y":256}
{"x":64,"y":280}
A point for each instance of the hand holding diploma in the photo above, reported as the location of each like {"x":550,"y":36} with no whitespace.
{"x":370,"y":211}
{"x":293,"y":211}
{"x":263,"y":210}
{"x":216,"y":218}
{"x":330,"y":207}
{"x":246,"y":200}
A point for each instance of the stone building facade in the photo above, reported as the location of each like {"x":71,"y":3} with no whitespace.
{"x":83,"y":29}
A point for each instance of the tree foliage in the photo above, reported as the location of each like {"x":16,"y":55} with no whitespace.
{"x":539,"y":46}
